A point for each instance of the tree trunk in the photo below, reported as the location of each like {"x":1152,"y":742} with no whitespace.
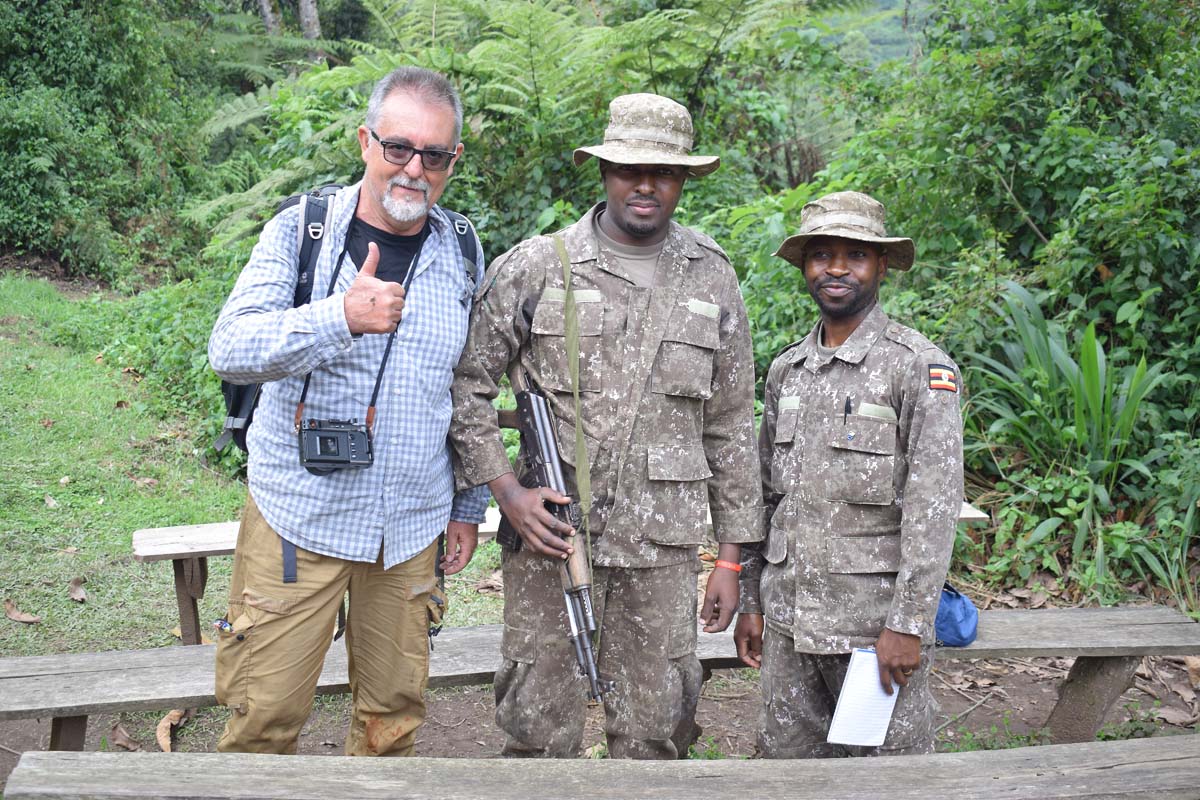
{"x":270,"y":16}
{"x":310,"y":24}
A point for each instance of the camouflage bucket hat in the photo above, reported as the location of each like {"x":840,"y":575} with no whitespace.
{"x":648,"y":129}
{"x":849,"y":215}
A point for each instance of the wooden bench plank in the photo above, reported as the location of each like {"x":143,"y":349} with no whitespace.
{"x":1127,"y":631}
{"x":171,"y":677}
{"x":219,"y":539}
{"x":1166,"y":767}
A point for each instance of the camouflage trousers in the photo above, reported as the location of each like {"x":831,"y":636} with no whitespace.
{"x":800,"y":691}
{"x":646,"y":647}
{"x":269,"y":662}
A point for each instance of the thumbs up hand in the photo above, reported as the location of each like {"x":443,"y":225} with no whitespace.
{"x":372,"y":305}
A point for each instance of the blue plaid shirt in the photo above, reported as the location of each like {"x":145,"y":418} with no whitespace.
{"x":404,"y":500}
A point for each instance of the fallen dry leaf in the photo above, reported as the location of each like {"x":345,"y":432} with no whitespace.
{"x":177,"y":632}
{"x":121,"y":738}
{"x":1182,"y":689}
{"x":46,"y":422}
{"x":72,"y":550}
{"x":1175,"y":716}
{"x":17,"y":615}
{"x":122,"y":404}
{"x":76,"y":591}
{"x":595,"y":751}
{"x":51,"y":502}
{"x":1105,"y":273}
{"x":99,"y":358}
{"x":492,"y":584}
{"x":706,"y":556}
{"x":1193,"y":667}
{"x":173,"y":719}
{"x":64,"y":480}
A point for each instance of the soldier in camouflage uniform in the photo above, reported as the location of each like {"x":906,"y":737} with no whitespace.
{"x":666,"y":382}
{"x":861,"y":448}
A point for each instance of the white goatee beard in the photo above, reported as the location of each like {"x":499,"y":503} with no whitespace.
{"x":405,"y":212}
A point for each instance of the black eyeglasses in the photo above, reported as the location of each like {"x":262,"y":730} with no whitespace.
{"x":401,"y":154}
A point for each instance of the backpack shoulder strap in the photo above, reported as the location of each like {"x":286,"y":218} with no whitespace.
{"x":465,"y":233}
{"x":315,"y":212}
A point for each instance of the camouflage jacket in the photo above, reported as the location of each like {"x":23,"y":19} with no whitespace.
{"x":666,"y":383}
{"x":862,"y":472}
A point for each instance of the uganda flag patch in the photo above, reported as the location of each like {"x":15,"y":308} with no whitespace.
{"x":942,"y":377}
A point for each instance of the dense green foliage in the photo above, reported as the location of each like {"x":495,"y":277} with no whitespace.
{"x":1043,"y":154}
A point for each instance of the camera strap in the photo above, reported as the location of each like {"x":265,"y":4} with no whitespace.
{"x":408,"y":278}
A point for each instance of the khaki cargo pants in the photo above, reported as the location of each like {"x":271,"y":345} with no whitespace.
{"x":800,"y":692}
{"x":647,"y":647}
{"x":269,"y":663}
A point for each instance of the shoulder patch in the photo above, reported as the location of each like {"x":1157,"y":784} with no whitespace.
{"x":943,"y":377}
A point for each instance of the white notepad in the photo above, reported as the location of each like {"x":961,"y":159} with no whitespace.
{"x":864,"y":710}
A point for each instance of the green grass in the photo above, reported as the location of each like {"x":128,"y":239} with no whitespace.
{"x":76,"y":431}
{"x":82,"y":433}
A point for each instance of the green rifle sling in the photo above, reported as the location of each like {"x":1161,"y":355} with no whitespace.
{"x":583,"y":478}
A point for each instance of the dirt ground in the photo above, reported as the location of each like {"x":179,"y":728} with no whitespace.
{"x":984,"y":704}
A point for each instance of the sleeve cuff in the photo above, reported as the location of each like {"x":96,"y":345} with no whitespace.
{"x":470,"y":505}
{"x":739,"y":525}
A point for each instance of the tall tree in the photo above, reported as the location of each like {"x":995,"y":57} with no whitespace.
{"x":310,"y":24}
{"x":270,"y":17}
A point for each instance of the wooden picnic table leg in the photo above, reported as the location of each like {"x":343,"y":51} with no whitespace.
{"x":1089,"y":691}
{"x":191,"y":576}
{"x":68,"y":733}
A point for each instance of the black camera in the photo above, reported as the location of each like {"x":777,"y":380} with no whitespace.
{"x":327,"y":445}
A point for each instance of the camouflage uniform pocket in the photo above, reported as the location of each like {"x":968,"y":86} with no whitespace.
{"x":863,"y":460}
{"x":677,"y":489}
{"x":519,"y":645}
{"x":549,"y":334}
{"x":864,"y":554}
{"x":684,"y":364}
{"x":779,"y":528}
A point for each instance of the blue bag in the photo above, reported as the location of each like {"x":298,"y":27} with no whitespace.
{"x":957,"y":619}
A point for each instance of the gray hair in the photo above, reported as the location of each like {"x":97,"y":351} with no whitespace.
{"x":427,"y":84}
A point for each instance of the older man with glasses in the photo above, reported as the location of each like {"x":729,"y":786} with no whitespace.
{"x":341,"y":366}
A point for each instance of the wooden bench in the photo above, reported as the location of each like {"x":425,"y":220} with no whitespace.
{"x":1165,"y":767}
{"x":189,"y":547}
{"x":1108,"y":644}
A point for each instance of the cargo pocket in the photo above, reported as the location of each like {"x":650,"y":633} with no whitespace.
{"x":233,"y":657}
{"x":549,"y":331}
{"x":864,"y":554}
{"x":682,"y":639}
{"x":519,"y":645}
{"x":863,"y":461}
{"x":677,"y":490}
{"x":684,"y":363}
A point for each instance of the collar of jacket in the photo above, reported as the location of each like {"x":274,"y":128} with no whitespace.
{"x":853,"y":350}
{"x":582,"y":246}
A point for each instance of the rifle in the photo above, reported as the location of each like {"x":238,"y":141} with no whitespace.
{"x":543,"y":467}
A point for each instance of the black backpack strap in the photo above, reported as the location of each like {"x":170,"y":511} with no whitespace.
{"x":315,"y":212}
{"x":465,"y":233}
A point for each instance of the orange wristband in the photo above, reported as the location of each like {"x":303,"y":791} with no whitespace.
{"x":729,"y":565}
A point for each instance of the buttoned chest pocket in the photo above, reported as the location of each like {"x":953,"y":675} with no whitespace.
{"x":684,"y":363}
{"x":862,"y":461}
{"x":785,"y":466}
{"x":549,"y":332}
